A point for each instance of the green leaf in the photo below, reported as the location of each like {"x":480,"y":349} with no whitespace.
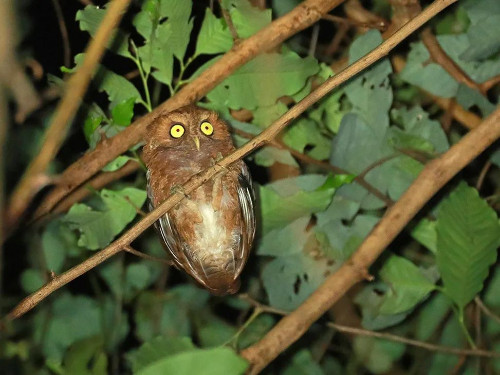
{"x":425,"y":233}
{"x":369,"y":300}
{"x":166,"y":28}
{"x":286,"y":200}
{"x":89,"y":20}
{"x":370,"y":93}
{"x":98,"y":228}
{"x":58,"y":241}
{"x":256,"y":330}
{"x":61,"y":325}
{"x":305,"y":132}
{"x":408,"y":286}
{"x":214,"y":36}
{"x":285,"y":241}
{"x":158,"y":348}
{"x":166,"y":313}
{"x":118,"y":88}
{"x":468,"y":234}
{"x":432,"y":315}
{"x":289,"y":280}
{"x":31,"y":280}
{"x":377,"y":355}
{"x":263,"y":80}
{"x":247,"y":19}
{"x":123,"y":112}
{"x":86,"y":357}
{"x":484,"y":29}
{"x":213,"y":331}
{"x":433,"y":78}
{"x":208,"y":362}
{"x":302,"y":363}
{"x":116,"y":164}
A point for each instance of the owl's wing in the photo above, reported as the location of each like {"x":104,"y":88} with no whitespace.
{"x":164,"y":226}
{"x":246,"y":197}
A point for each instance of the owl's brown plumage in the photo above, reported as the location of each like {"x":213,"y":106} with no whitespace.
{"x":210,"y":233}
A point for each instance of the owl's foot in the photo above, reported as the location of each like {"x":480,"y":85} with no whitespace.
{"x":178,"y":189}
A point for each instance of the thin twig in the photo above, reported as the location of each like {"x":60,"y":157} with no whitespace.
{"x":140,"y":254}
{"x":381,"y":335}
{"x":64,"y":32}
{"x":482,"y":175}
{"x":301,"y":17}
{"x":4,"y":124}
{"x":54,"y":136}
{"x":229,"y":22}
{"x":263,"y":138}
{"x":468,"y":119}
{"x":486,"y":310}
{"x":379,"y":24}
{"x":441,"y":57}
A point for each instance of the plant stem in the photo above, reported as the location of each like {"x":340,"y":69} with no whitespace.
{"x":464,"y":328}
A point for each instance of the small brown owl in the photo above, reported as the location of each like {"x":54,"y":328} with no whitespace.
{"x":210,"y":233}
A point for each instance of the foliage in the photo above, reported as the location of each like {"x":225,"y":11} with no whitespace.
{"x":137,"y":316}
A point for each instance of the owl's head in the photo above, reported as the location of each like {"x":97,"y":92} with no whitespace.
{"x":187,"y":128}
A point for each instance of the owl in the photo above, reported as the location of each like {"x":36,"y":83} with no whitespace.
{"x":209,"y":234}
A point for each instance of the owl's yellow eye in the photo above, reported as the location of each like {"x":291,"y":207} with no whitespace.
{"x":177,"y":131}
{"x":207,"y":128}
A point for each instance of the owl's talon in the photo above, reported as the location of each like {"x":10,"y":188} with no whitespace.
{"x":178,"y":189}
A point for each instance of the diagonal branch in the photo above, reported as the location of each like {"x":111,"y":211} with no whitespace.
{"x":301,"y":17}
{"x":54,"y":136}
{"x":263,"y":138}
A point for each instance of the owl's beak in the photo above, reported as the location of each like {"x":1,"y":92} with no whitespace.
{"x":196,"y":142}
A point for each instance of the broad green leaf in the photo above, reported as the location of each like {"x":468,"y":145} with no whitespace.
{"x":468,"y":234}
{"x":166,"y":313}
{"x":452,"y":336}
{"x":286,"y":200}
{"x":425,"y":233}
{"x":408,"y":286}
{"x":247,"y":19}
{"x":433,"y":78}
{"x":289,"y":280}
{"x":158,"y":348}
{"x":58,"y":241}
{"x":116,"y":164}
{"x":369,"y":300}
{"x":32,"y":280}
{"x":60,"y":326}
{"x":89,"y":20}
{"x":123,"y":112}
{"x":305,"y":132}
{"x":432,"y":315}
{"x":285,"y":241}
{"x":214,"y":36}
{"x":213,"y":331}
{"x":166,"y":28}
{"x":86,"y":357}
{"x":208,"y":362}
{"x":303,"y":363}
{"x":98,"y":228}
{"x":117,"y":87}
{"x":469,"y":98}
{"x":263,"y":80}
{"x":256,"y":330}
{"x":484,"y":29}
{"x":370,"y":93}
{"x":377,"y":355}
